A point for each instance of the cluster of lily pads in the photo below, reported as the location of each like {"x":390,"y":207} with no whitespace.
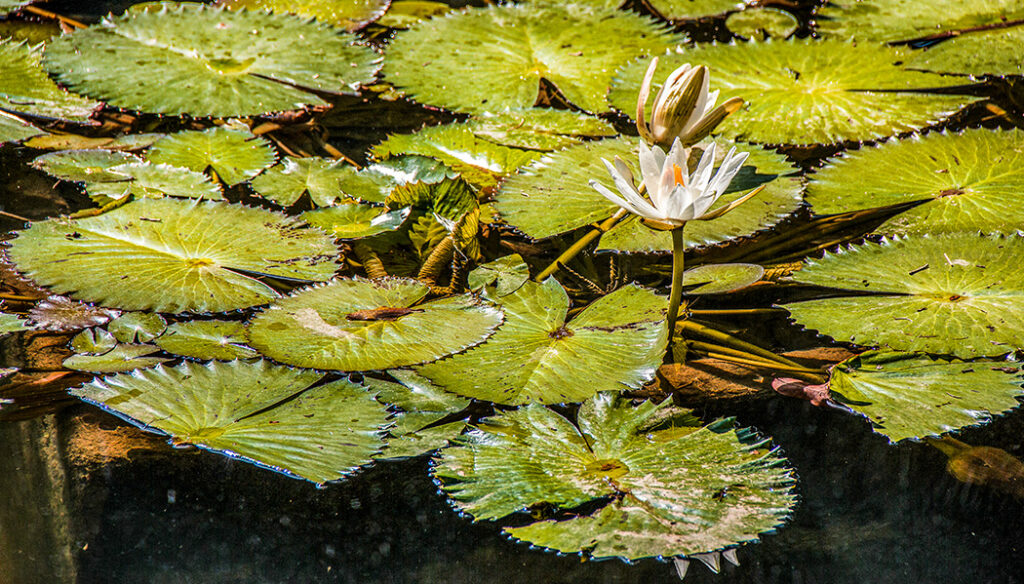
{"x":286,"y":306}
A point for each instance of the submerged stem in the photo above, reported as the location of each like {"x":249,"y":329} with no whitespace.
{"x":581,"y":244}
{"x":676,"y":294}
{"x":691,"y":327}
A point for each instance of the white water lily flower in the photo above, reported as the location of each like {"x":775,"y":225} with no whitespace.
{"x":683,"y":108}
{"x":675,"y":196}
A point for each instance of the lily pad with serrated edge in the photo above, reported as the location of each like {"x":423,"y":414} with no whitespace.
{"x":804,"y":91}
{"x":350,"y":15}
{"x":233,"y":154}
{"x":320,"y":178}
{"x":62,"y":314}
{"x":25,"y":87}
{"x":762,"y":23}
{"x":616,"y":343}
{"x":911,"y":396}
{"x":720,"y":278}
{"x":956,"y":294}
{"x":222,"y":340}
{"x":561,"y":180}
{"x":204,"y":61}
{"x":511,"y":48}
{"x":901,"y":20}
{"x":479,"y":161}
{"x":84,"y":165}
{"x":655,"y":476}
{"x":987,"y":52}
{"x":405,"y":13}
{"x":541,"y":129}
{"x":971,"y":181}
{"x":12,"y":323}
{"x":500,"y":277}
{"x":140,"y":327}
{"x":14,"y":129}
{"x":688,"y":9}
{"x":93,"y":341}
{"x":8,"y":6}
{"x":173,"y":255}
{"x":145,"y":179}
{"x":421,"y":405}
{"x":258,"y":412}
{"x":356,"y":220}
{"x":360,"y":325}
{"x":123,"y":357}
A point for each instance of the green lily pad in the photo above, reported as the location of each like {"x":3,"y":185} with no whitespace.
{"x":405,"y":13}
{"x":901,"y":20}
{"x":720,"y":278}
{"x":203,"y":61}
{"x":616,"y":343}
{"x":8,"y":6}
{"x":421,"y":405}
{"x":140,"y":327}
{"x":988,"y":52}
{"x":804,"y":91}
{"x":145,"y":179}
{"x":971,"y":182}
{"x":478,"y":160}
{"x":689,"y":9}
{"x":954,"y":294}
{"x":319,"y":177}
{"x":358,"y":325}
{"x":14,"y":129}
{"x":356,"y":220}
{"x":560,"y":180}
{"x":541,"y":129}
{"x":259,"y":412}
{"x":93,"y":341}
{"x":30,"y":31}
{"x":25,"y":87}
{"x":120,"y":358}
{"x":234,"y":155}
{"x":173,"y":255}
{"x":350,"y":15}
{"x":499,"y":278}
{"x":914,"y":396}
{"x":762,"y":23}
{"x":662,"y":485}
{"x":511,"y":48}
{"x":84,"y":165}
{"x":12,"y":323}
{"x":223,"y":340}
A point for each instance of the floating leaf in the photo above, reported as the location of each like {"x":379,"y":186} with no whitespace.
{"x":120,"y":358}
{"x":810,"y":92}
{"x":84,"y":165}
{"x":561,"y":180}
{"x":479,"y":161}
{"x":14,"y":129}
{"x":541,"y":129}
{"x":173,"y":255}
{"x":319,"y":177}
{"x":914,"y":396}
{"x":358,"y":325}
{"x":959,"y":294}
{"x":140,"y":327}
{"x":617,"y":342}
{"x":12,"y":323}
{"x":202,"y":61}
{"x":971,"y":182}
{"x":662,"y":485}
{"x":93,"y":341}
{"x":8,"y":6}
{"x":720,"y":278}
{"x":501,"y":277}
{"x":689,"y":9}
{"x":356,"y":220}
{"x":900,"y":20}
{"x":420,"y":404}
{"x":62,"y":314}
{"x":350,"y":15}
{"x":762,"y":23}
{"x":514,"y":47}
{"x":234,"y":155}
{"x":405,"y":13}
{"x":25,"y":87}
{"x":259,"y":412}
{"x":223,"y":340}
{"x":987,"y":52}
{"x":145,"y":179}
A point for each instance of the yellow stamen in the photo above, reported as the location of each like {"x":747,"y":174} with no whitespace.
{"x":678,"y":174}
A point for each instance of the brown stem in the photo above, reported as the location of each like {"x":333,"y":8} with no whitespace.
{"x":437,"y":260}
{"x":54,"y":16}
{"x":370,"y":260}
{"x":574,"y":250}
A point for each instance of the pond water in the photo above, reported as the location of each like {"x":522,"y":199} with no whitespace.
{"x":87,"y":498}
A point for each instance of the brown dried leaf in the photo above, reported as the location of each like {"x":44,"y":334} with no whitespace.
{"x":61,"y":314}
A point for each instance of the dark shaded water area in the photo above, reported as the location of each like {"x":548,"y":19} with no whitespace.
{"x":85,"y":498}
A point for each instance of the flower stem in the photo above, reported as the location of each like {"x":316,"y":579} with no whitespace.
{"x":676,"y":295}
{"x":581,"y":244}
{"x":693,"y":328}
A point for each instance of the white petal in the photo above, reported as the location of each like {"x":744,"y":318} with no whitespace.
{"x":624,"y":170}
{"x":702,"y":174}
{"x":650,"y":170}
{"x":730,"y":167}
{"x":608,"y":194}
{"x":700,"y":105}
